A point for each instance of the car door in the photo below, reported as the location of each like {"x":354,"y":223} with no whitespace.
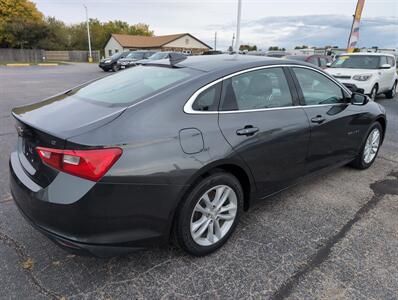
{"x":390,"y":73}
{"x":259,"y":119}
{"x":336,"y":125}
{"x":384,"y":75}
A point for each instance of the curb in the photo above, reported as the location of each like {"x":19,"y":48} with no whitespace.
{"x":47,"y":65}
{"x":17,"y":65}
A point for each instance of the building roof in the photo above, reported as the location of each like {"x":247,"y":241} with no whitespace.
{"x":139,"y":41}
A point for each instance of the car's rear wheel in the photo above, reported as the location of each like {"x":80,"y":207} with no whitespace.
{"x":373,"y":92}
{"x":370,"y":148}
{"x":391,"y":93}
{"x":209,"y":214}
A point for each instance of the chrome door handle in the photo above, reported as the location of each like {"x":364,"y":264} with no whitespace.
{"x":318,"y":119}
{"x":247,"y":130}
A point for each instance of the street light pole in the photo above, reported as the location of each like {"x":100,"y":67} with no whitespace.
{"x":237,"y":41}
{"x":90,"y":57}
{"x":215,"y":40}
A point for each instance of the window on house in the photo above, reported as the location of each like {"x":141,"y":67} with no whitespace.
{"x":110,"y":52}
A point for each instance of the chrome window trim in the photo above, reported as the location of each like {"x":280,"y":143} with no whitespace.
{"x":188,"y":105}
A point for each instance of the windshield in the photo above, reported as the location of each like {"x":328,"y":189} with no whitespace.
{"x":135,"y":55}
{"x":116,"y":55}
{"x":132,"y":85}
{"x":357,"y":62}
{"x":159,"y":55}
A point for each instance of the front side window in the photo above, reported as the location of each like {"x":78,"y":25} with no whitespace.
{"x":390,"y":61}
{"x":265,"y":88}
{"x":132,"y":85}
{"x":208,"y":99}
{"x":383,"y":60}
{"x":317,"y":88}
{"x":135,"y":55}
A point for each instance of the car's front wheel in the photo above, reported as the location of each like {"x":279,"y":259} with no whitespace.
{"x":370,"y":148}
{"x":115,"y":68}
{"x":391,"y":93}
{"x":209,"y":214}
{"x":373,"y":92}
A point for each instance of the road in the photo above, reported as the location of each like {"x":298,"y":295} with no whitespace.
{"x":335,"y":236}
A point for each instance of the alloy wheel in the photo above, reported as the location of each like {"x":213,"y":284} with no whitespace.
{"x":213,"y":215}
{"x":371,"y":146}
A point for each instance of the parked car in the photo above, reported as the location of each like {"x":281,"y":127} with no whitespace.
{"x":155,"y":56}
{"x":178,"y":151}
{"x":369,"y":73}
{"x":110,"y":63}
{"x":317,"y":60}
{"x":132,"y":58}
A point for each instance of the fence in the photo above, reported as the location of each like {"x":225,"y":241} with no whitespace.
{"x":22,"y":55}
{"x":38,"y":55}
{"x":74,"y":55}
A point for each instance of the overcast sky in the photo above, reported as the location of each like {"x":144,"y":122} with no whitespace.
{"x":265,"y":23}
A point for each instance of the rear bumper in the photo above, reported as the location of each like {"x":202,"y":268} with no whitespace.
{"x":102,"y":219}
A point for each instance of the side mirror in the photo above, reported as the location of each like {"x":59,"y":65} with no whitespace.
{"x":359,"y":99}
{"x":328,"y":65}
{"x":385,"y":66}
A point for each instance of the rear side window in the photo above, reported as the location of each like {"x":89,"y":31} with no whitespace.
{"x":132,"y":85}
{"x":208,"y":99}
{"x":317,"y":88}
{"x":265,"y":88}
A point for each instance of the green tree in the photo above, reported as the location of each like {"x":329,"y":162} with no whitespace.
{"x":301,"y":47}
{"x":15,"y":15}
{"x":58,"y":36}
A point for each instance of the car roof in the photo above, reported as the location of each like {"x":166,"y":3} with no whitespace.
{"x":367,"y":54}
{"x":213,"y":63}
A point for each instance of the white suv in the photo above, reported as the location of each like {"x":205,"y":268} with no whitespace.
{"x":370,"y":73}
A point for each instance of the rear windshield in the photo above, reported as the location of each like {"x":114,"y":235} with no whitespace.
{"x":132,"y":85}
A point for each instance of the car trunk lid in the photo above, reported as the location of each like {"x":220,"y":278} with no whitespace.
{"x":49,"y":124}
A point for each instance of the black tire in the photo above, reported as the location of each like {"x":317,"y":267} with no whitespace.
{"x":391,"y":93}
{"x":115,"y":68}
{"x":359,"y":162}
{"x":182,"y":231}
{"x":373,"y":92}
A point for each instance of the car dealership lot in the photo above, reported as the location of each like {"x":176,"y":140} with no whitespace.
{"x":333,"y":236}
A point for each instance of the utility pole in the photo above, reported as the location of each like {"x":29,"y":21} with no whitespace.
{"x":215,"y":40}
{"x":90,"y":56}
{"x":232,"y":44}
{"x":237,"y":41}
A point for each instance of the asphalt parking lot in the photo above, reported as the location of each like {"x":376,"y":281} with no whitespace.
{"x":333,"y":237}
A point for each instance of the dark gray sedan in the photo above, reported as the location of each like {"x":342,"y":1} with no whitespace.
{"x":177,"y":150}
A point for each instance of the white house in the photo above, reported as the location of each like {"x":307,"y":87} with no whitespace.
{"x":175,"y":42}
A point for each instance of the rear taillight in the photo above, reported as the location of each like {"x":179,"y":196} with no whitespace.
{"x":89,"y":164}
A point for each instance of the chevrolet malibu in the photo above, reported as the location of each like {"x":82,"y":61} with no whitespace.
{"x":176,"y":150}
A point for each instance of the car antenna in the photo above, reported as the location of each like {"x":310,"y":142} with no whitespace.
{"x":176,"y":58}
